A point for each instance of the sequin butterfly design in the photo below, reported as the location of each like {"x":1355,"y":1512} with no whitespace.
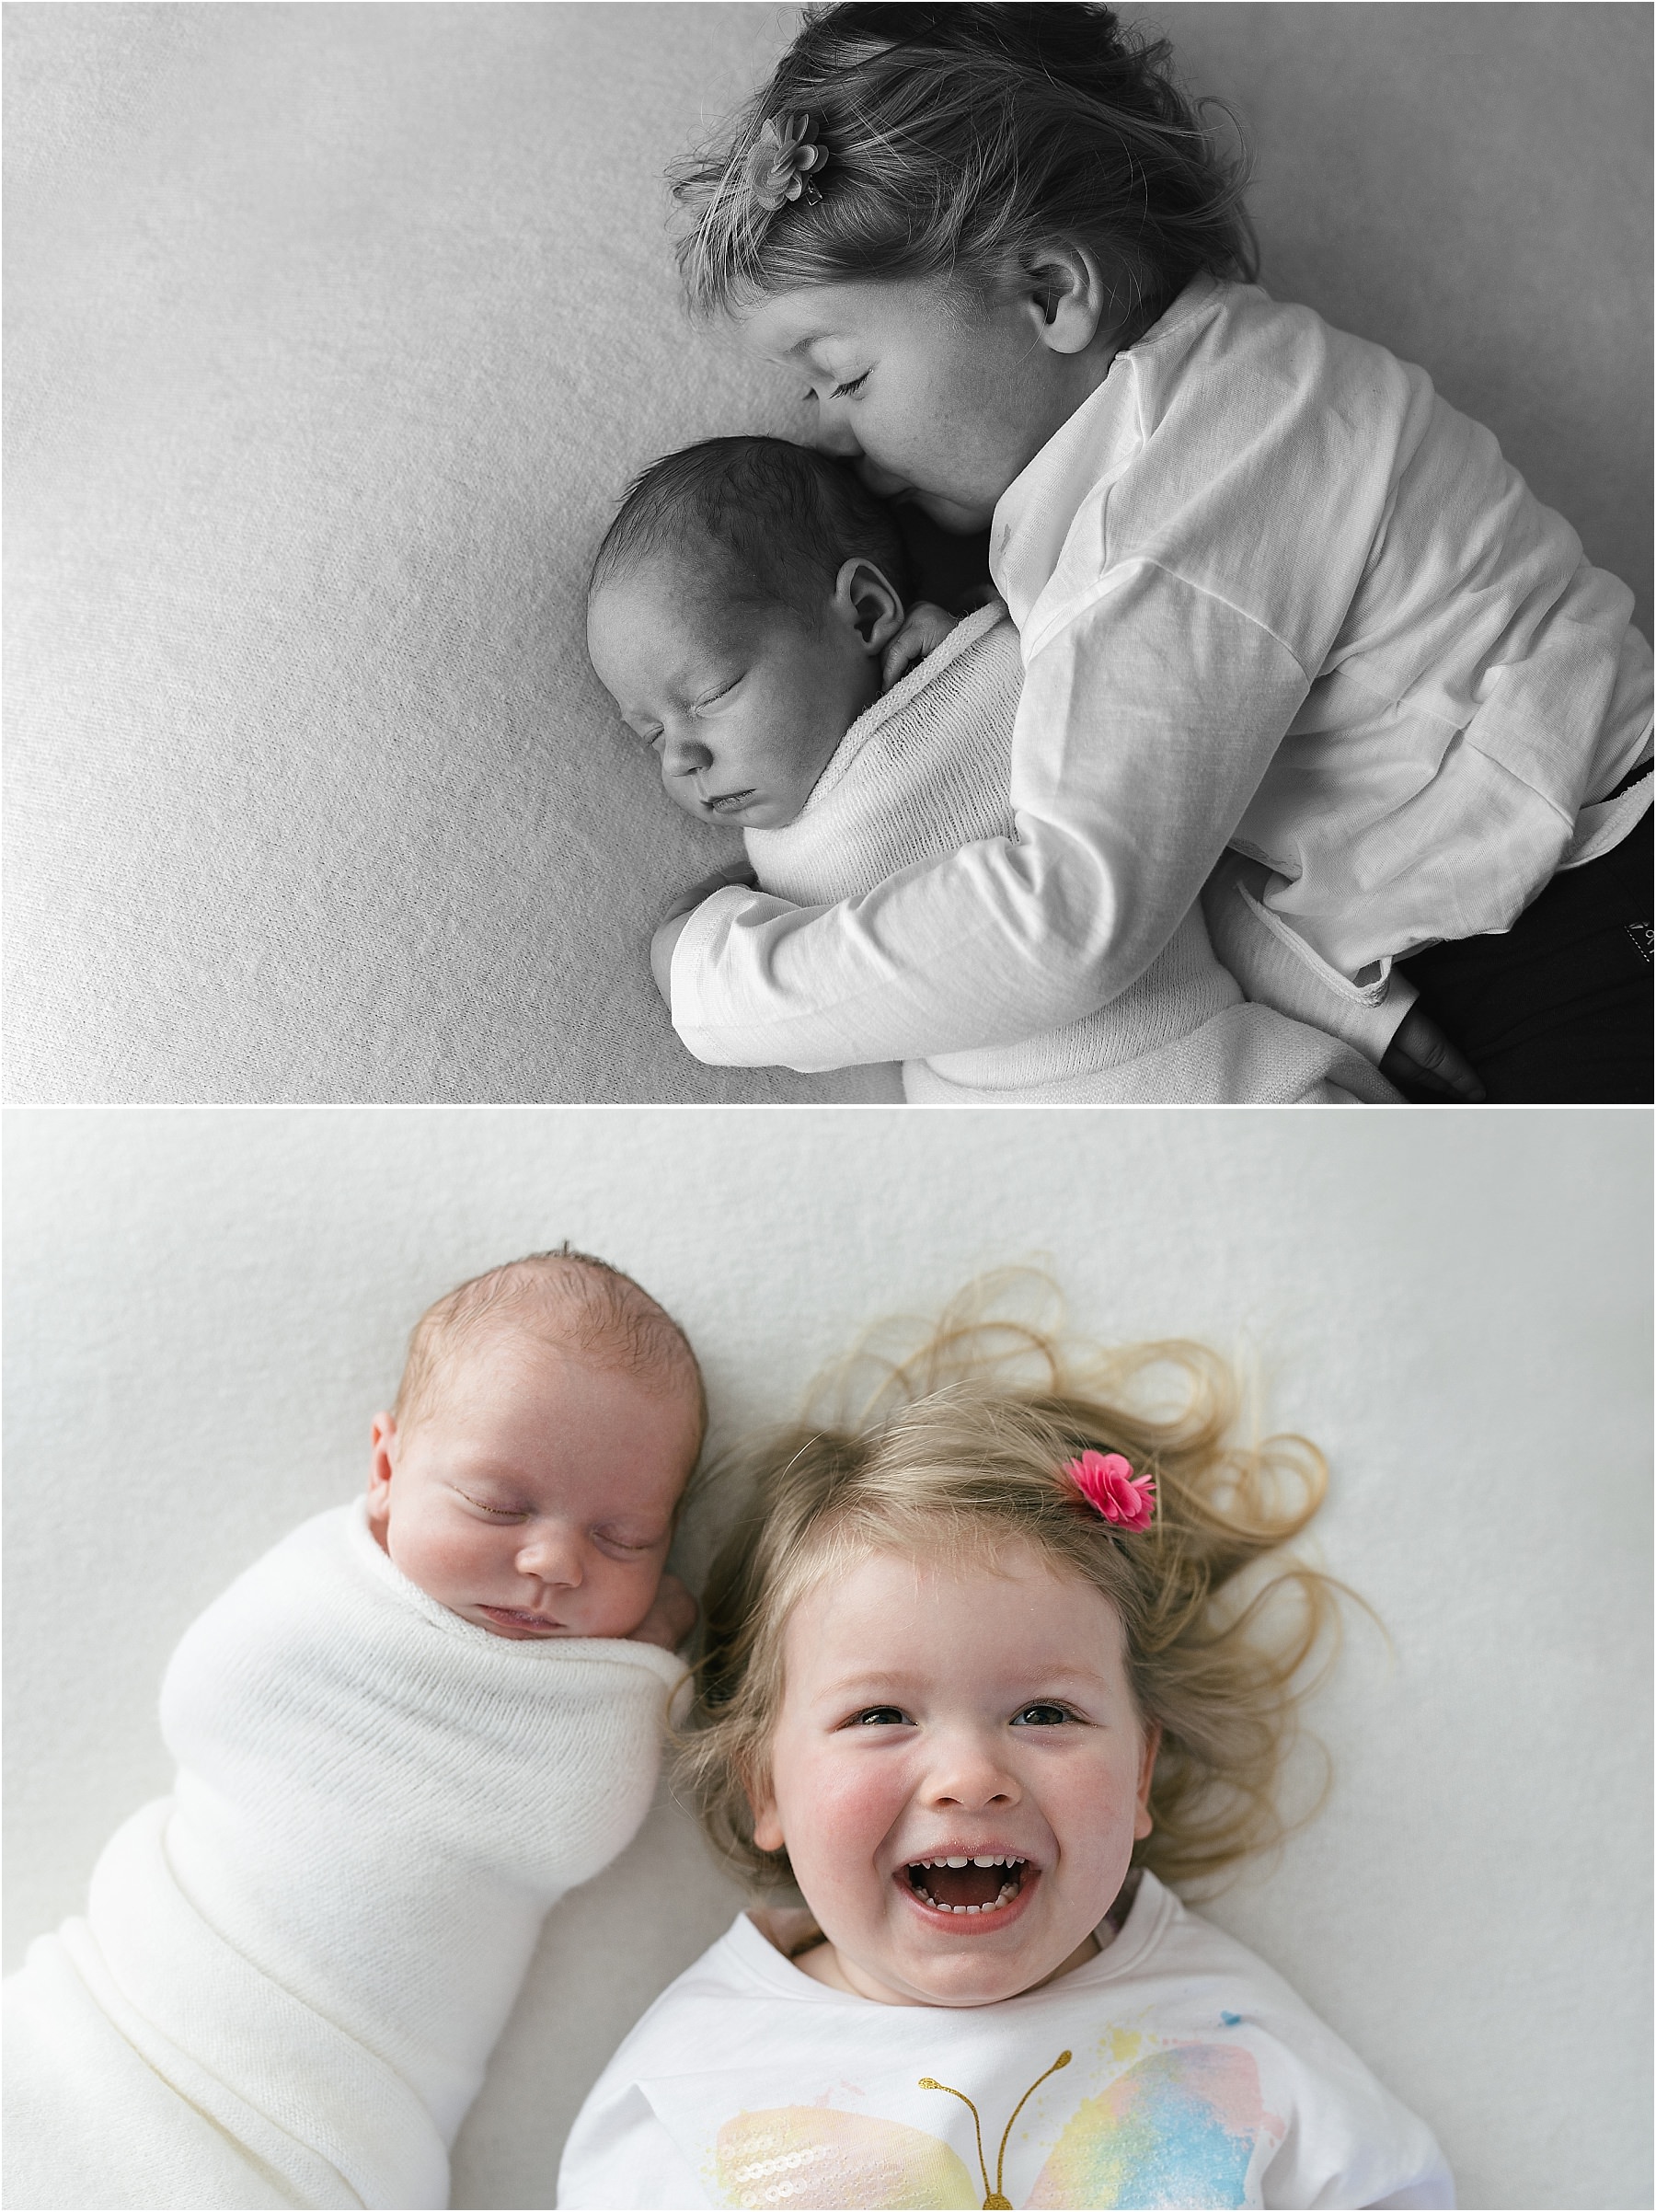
{"x":1180,"y":2127}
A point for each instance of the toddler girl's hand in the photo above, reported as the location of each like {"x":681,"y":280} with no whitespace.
{"x":1420,"y":1058}
{"x":671,"y":927}
{"x":925,"y":629}
{"x":670,"y":1619}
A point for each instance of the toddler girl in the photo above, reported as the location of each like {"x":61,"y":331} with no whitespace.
{"x":400,"y":1736}
{"x":744,"y":606}
{"x":1271,"y":592}
{"x":979,"y":1681}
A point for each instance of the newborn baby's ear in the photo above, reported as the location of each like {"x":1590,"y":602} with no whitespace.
{"x":383,"y":1450}
{"x":865,"y":603}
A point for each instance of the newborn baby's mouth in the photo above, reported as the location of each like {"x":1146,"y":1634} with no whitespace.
{"x":970,"y":1885}
{"x":728,"y":803}
{"x":532,"y":1624}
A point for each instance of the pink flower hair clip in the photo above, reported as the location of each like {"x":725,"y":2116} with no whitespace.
{"x":785,"y":155}
{"x":1109,"y":1486}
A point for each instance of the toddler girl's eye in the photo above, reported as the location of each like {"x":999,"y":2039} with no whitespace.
{"x":880,"y":1716}
{"x":1040,"y":1716}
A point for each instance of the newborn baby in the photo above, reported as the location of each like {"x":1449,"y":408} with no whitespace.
{"x":400,"y":1736}
{"x":742,"y":609}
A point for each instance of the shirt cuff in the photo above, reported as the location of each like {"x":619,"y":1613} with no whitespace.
{"x":1276,"y":967}
{"x":695,"y":943}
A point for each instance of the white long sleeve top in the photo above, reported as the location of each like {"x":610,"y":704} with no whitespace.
{"x":1174,"y":2068}
{"x":925,"y":770}
{"x":1271,"y":590}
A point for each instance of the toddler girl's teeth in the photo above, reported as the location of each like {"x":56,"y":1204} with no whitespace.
{"x":985,"y":1863}
{"x":954,"y":1862}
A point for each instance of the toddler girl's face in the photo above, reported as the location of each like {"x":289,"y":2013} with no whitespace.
{"x":535,"y":1496}
{"x":938,"y":397}
{"x":742,"y":705}
{"x":958,"y":1774}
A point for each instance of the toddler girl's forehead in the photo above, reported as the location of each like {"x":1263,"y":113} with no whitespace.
{"x":958,"y":1558}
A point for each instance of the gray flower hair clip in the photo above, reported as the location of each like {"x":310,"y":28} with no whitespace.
{"x":781,"y":165}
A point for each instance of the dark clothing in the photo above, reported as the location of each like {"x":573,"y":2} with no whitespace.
{"x":1557,"y":1011}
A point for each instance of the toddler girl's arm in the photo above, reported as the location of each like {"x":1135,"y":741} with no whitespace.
{"x":1125,"y":790}
{"x":1277,"y":969}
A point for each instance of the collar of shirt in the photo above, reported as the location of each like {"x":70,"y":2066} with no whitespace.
{"x":1035,"y":513}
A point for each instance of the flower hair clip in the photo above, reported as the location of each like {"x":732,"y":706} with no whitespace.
{"x":1109,"y":1486}
{"x":781,"y":164}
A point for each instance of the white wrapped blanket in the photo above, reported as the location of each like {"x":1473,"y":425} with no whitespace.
{"x":291,"y":1973}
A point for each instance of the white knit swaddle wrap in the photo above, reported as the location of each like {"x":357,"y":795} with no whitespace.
{"x":291,"y":1973}
{"x":926,"y":770}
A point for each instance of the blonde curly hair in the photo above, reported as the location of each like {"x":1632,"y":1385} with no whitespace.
{"x":957,"y":1448}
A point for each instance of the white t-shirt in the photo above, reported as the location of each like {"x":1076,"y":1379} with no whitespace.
{"x":1193,"y":2076}
{"x":1271,"y":590}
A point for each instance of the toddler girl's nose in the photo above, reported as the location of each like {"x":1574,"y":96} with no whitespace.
{"x":965,"y":1772}
{"x":835,"y":436}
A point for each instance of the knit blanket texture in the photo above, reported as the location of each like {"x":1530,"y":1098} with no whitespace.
{"x":291,"y":1972}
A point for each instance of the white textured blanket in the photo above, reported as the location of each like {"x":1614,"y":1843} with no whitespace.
{"x":292,"y":1972}
{"x":928,"y":769}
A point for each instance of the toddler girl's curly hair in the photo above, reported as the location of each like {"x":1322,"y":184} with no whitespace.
{"x":962,"y":140}
{"x":959,"y":1451}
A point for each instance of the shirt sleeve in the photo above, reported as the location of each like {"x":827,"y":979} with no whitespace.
{"x":1276,"y":968}
{"x":620,"y":2157}
{"x":1150,"y":712}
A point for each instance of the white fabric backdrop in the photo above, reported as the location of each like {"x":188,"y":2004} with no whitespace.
{"x":204,"y":1310}
{"x":333,"y":334}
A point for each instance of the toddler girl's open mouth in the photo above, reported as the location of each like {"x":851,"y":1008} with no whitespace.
{"x":970,"y":1891}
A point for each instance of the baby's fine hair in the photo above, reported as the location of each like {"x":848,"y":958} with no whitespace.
{"x":780,"y":520}
{"x":564,"y":1298}
{"x":960,"y":1453}
{"x":965,"y":142}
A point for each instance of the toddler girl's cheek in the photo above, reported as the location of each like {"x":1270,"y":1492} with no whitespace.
{"x":844,"y":1812}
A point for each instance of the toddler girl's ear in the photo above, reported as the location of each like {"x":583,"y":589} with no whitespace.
{"x":767,"y":1828}
{"x":1069,"y":298}
{"x":865,"y":601}
{"x":1143,"y":1823}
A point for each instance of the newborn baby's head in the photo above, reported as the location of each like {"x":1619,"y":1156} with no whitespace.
{"x":529,"y":1474}
{"x":737,"y":615}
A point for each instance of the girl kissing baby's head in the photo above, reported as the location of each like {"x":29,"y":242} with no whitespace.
{"x":972,"y":1658}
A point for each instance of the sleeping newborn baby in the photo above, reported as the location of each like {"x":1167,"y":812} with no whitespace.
{"x":399,"y":1737}
{"x":740,"y":611}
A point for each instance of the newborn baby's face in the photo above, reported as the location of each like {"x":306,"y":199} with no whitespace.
{"x":535,"y":1496}
{"x":742,"y":705}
